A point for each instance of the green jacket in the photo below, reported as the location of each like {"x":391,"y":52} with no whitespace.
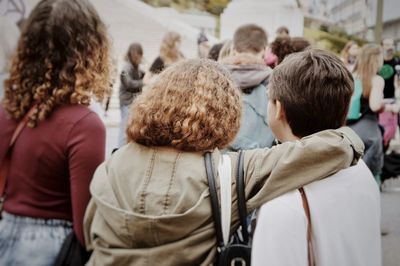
{"x":151,"y":205}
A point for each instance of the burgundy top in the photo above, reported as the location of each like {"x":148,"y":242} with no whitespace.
{"x":52,"y":164}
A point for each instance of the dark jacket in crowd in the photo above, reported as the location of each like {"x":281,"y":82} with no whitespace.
{"x":131,"y":83}
{"x":158,"y":66}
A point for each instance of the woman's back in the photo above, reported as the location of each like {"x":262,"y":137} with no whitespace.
{"x":363,"y":102}
{"x":53,"y":163}
{"x":367,"y":65}
{"x":366,"y":126}
{"x":62,"y":62}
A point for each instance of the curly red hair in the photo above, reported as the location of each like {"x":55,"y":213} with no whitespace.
{"x":194,"y":105}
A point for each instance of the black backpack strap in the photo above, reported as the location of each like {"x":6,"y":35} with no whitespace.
{"x":241,"y":197}
{"x":214,"y":199}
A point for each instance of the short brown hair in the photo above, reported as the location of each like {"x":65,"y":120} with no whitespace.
{"x":282,"y":47}
{"x":282,"y":29}
{"x":250,"y":38}
{"x":194,"y":105}
{"x":315,"y":88}
{"x":299,"y":44}
{"x":134,"y":54}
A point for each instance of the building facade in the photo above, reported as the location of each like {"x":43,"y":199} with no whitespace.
{"x":358,"y":17}
{"x":269,"y":14}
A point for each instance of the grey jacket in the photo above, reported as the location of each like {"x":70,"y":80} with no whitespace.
{"x":251,"y":75}
{"x":131,"y":83}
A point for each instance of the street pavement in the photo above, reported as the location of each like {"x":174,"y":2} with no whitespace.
{"x":390,"y":202}
{"x":112,"y":139}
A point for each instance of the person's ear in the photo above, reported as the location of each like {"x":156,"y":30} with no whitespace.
{"x":280,"y":112}
{"x":261,"y":54}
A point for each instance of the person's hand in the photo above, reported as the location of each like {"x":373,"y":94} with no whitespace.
{"x":149,"y":78}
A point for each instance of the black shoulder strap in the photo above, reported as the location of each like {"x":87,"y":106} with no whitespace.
{"x":241,"y":197}
{"x":214,"y":199}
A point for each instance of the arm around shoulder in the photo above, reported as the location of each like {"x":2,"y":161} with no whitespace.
{"x":270,"y":173}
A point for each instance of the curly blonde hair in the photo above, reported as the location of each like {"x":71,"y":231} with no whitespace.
{"x":62,"y":58}
{"x":194,"y":105}
{"x":169,"y":52}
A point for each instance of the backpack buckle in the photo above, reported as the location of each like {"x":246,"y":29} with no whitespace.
{"x":238,"y":262}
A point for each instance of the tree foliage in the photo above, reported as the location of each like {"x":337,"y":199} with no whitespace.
{"x":215,"y":7}
{"x":333,"y":39}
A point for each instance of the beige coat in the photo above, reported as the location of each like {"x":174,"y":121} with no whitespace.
{"x":151,"y":205}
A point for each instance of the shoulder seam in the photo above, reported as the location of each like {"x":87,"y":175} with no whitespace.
{"x":75,"y":123}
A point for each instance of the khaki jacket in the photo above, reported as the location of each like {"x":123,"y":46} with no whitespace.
{"x":151,"y":205}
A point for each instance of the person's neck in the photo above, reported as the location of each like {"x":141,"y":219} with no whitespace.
{"x":287,"y":135}
{"x":388,"y":58}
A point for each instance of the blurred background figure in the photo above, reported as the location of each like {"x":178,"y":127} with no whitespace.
{"x":390,"y":72}
{"x":270,"y":58}
{"x":251,"y":75}
{"x":131,"y":79}
{"x":299,"y":44}
{"x":349,"y":54}
{"x":203,"y":47}
{"x":281,"y":47}
{"x":61,"y":63}
{"x":282,"y":31}
{"x":9,"y":34}
{"x":213,"y":54}
{"x":104,"y":106}
{"x":226,"y":50}
{"x":169,"y":53}
{"x":368,"y":94}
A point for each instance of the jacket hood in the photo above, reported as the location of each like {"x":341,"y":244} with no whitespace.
{"x":133,"y":203}
{"x":247,"y":70}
